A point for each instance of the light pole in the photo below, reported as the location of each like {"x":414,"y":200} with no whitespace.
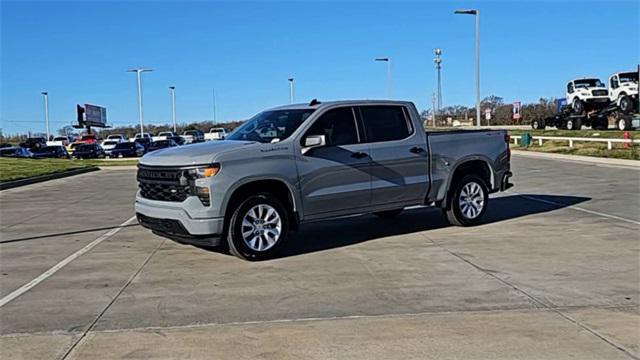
{"x":139,"y":71}
{"x":172,"y":89}
{"x":475,"y":12}
{"x":438,"y":62}
{"x":46,"y":111}
{"x":388,"y":61}
{"x":215,"y":121}
{"x":291,"y":97}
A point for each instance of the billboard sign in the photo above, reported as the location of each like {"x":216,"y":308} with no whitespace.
{"x":95,"y":115}
{"x":516,"y":110}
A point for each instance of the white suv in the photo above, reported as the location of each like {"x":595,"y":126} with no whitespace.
{"x":586,"y":94}
{"x":623,"y":90}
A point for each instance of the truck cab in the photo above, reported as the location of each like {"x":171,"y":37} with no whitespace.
{"x":623,"y":90}
{"x":586,"y":94}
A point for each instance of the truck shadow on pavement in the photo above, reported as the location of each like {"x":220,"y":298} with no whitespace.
{"x":331,"y":234}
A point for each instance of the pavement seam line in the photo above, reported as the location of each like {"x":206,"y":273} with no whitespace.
{"x":26,"y":287}
{"x":573,"y":207}
{"x":122,"y":289}
{"x":552,"y":308}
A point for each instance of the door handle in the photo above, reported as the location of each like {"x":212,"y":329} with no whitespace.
{"x":359,"y":155}
{"x":417,"y":150}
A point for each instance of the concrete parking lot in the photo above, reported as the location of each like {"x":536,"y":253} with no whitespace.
{"x":553,"y":274}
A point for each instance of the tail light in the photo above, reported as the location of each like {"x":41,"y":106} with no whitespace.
{"x":507,"y":139}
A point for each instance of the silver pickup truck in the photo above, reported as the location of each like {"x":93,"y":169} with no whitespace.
{"x":298,"y":163}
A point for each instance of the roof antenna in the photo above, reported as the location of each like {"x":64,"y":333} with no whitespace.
{"x":314,"y":102}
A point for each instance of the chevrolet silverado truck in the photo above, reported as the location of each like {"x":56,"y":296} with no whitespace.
{"x":307,"y":162}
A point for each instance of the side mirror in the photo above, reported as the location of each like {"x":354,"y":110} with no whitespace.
{"x":313,"y":141}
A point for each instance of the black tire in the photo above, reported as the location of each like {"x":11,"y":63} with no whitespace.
{"x":577,"y":106}
{"x":573,"y":124}
{"x":623,"y":124}
{"x":389,"y":214}
{"x":453,"y":211}
{"x":626,"y":104}
{"x":235,"y":240}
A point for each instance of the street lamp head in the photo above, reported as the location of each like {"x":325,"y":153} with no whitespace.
{"x":382,"y":59}
{"x":139,"y":70}
{"x":172,"y":87}
{"x":437,"y":52}
{"x":466,"y":11}
{"x":44,"y":93}
{"x":290,"y":79}
{"x":438,"y":61}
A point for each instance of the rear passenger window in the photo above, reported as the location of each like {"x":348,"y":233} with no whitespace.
{"x":385,"y":123}
{"x":337,"y":125}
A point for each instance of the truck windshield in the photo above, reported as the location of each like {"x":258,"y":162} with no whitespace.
{"x":628,"y":77}
{"x":270,"y":125}
{"x":585,"y":83}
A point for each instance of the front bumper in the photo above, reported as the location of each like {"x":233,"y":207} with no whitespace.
{"x":174,"y":223}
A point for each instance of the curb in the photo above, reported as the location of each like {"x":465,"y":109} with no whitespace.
{"x":36,"y":179}
{"x":579,"y":158}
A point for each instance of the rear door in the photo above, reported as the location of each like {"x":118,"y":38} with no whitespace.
{"x":334,"y":179}
{"x":399,"y":158}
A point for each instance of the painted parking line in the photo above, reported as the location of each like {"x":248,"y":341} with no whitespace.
{"x":23,"y":289}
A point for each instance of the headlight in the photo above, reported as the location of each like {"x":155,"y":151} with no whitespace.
{"x":205,"y":171}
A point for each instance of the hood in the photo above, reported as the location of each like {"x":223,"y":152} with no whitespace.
{"x":193,"y":154}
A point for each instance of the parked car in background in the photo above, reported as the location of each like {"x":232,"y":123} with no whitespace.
{"x":109,"y":145}
{"x":145,"y":142}
{"x":623,"y":90}
{"x":5,"y":145}
{"x":128,"y":149}
{"x":72,"y":147}
{"x":143,"y":136}
{"x":163,"y":135}
{"x":193,"y":136}
{"x":161,"y":144}
{"x":61,"y":141}
{"x":88,"y":139}
{"x":117,"y":137}
{"x":177,"y":139}
{"x":33,"y":143}
{"x":216,"y":134}
{"x":15,"y":152}
{"x":88,"y":151}
{"x":52,"y":151}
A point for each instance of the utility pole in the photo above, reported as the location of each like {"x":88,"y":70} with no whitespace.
{"x":475,"y":12}
{"x":438,"y":62}
{"x":215,"y":121}
{"x":139,"y":71}
{"x":46,"y":111}
{"x":291,"y":96}
{"x":388,"y":61}
{"x":172,"y":89}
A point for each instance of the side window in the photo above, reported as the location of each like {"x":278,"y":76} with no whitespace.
{"x":337,"y":125}
{"x":614,"y":82}
{"x":385,"y":123}
{"x":570,"y":88}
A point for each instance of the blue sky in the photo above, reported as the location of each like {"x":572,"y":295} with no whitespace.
{"x":79,"y":52}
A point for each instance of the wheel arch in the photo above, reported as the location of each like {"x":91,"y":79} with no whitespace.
{"x":278,"y":187}
{"x":474,"y":164}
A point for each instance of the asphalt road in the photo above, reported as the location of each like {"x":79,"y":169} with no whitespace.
{"x":553,"y":274}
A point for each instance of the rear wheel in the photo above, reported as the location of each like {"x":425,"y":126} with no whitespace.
{"x":574,"y":124}
{"x":389,"y":214}
{"x":467,"y":202}
{"x":258,"y":227}
{"x":623,"y":124}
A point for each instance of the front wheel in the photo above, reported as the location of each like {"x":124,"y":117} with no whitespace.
{"x":624,"y":124}
{"x":626,"y":104}
{"x":467,"y":202}
{"x":258,"y":227}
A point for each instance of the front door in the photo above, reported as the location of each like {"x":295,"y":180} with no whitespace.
{"x":334,"y":179}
